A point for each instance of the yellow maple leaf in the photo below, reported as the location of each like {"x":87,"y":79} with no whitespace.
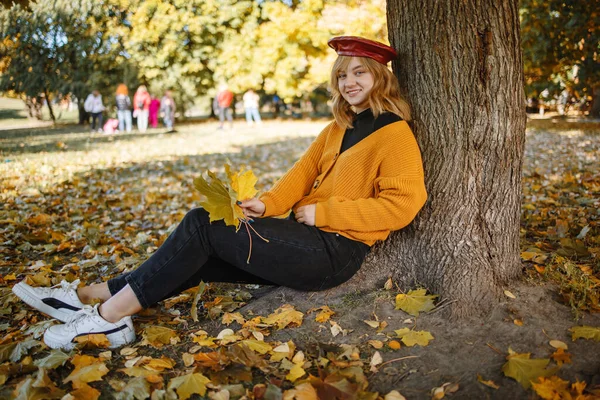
{"x":85,"y":392}
{"x":257,"y":346}
{"x":219,"y":203}
{"x":411,"y":338}
{"x":324,"y":314}
{"x":89,"y":373}
{"x":228,"y":318}
{"x":415,"y":302}
{"x":187,"y":385}
{"x":159,"y":364}
{"x":585,"y":332}
{"x":295,"y":373}
{"x":304,"y":391}
{"x":551,"y":388}
{"x":561,"y":357}
{"x":242,"y":183}
{"x":94,"y":340}
{"x":523,"y":369}
{"x":158,"y":336}
{"x":284,"y":316}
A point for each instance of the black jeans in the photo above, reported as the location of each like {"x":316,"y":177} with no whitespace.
{"x":97,"y":116}
{"x":297,"y":256}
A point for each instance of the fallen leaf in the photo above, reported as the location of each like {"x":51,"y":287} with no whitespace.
{"x":303,"y":391}
{"x":509,"y":294}
{"x":257,"y":346}
{"x":394,"y":395}
{"x":551,"y":388}
{"x":378,"y":344}
{"x":89,"y":373}
{"x":524,"y":370}
{"x":415,"y":302}
{"x":228,"y":318}
{"x":158,"y":336}
{"x":284,"y":316}
{"x":389,"y":284}
{"x":96,"y":340}
{"x":560,"y":357}
{"x":188,"y":385}
{"x":372,"y":324}
{"x":55,"y":359}
{"x":197,"y":296}
{"x":557,"y":344}
{"x":585,"y":332}
{"x":137,"y":388}
{"x":295,"y":372}
{"x":411,"y":338}
{"x":491,"y":384}
{"x":375,"y":361}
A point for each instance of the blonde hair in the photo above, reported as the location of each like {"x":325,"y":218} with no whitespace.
{"x":383,"y":97}
{"x":122,"y":89}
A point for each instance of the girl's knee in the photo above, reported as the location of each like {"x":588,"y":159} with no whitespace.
{"x":197,"y":216}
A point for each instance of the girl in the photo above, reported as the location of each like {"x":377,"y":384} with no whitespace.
{"x":359,"y":180}
{"x":123,"y":108}
{"x":141,"y":107}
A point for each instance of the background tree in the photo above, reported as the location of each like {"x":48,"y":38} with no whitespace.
{"x":60,"y":48}
{"x":561,"y":43}
{"x":460,"y":68}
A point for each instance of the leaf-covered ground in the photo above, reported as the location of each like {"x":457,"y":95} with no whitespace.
{"x":87,"y":206}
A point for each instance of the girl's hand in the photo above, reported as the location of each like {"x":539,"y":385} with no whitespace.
{"x":306,"y":214}
{"x":252,"y":207}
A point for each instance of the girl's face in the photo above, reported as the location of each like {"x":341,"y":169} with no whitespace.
{"x":355,"y":84}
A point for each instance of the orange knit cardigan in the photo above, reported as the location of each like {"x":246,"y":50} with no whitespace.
{"x":369,"y":190}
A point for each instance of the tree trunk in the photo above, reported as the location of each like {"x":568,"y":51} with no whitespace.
{"x":595,"y":106}
{"x":460,"y":68}
{"x":49,"y":106}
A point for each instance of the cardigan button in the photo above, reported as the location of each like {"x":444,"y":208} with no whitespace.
{"x":316,"y":184}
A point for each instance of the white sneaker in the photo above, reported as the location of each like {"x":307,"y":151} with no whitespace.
{"x":60,"y":301}
{"x":88,"y":321}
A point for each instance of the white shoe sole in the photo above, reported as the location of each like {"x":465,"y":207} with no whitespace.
{"x":117,"y":339}
{"x":23,"y":292}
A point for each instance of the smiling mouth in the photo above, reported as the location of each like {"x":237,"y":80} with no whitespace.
{"x":352,"y":92}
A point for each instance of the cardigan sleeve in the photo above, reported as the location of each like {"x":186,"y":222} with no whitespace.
{"x":298,"y":181}
{"x":400,"y":194}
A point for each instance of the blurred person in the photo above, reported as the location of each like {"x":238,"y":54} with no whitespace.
{"x":224,"y":100}
{"x":111,"y":126}
{"x":359,"y":180}
{"x":141,"y":107}
{"x":153,"y":111}
{"x":251,"y":100}
{"x":123,"y":108}
{"x":167,"y":109}
{"x":94,"y":106}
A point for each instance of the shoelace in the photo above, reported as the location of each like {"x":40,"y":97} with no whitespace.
{"x":86,"y":311}
{"x":66,"y":286}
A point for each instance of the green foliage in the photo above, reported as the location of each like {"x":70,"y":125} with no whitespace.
{"x":190,"y":47}
{"x":61,"y":47}
{"x":557,"y":37}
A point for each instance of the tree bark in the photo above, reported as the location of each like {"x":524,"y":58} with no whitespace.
{"x":595,"y":107}
{"x":49,"y":106}
{"x":460,"y":68}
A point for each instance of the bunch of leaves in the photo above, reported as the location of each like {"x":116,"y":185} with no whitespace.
{"x":222,"y":198}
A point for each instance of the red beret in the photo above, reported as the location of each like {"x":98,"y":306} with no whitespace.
{"x":354,"y":46}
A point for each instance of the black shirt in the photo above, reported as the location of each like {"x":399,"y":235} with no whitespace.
{"x":364,"y":124}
